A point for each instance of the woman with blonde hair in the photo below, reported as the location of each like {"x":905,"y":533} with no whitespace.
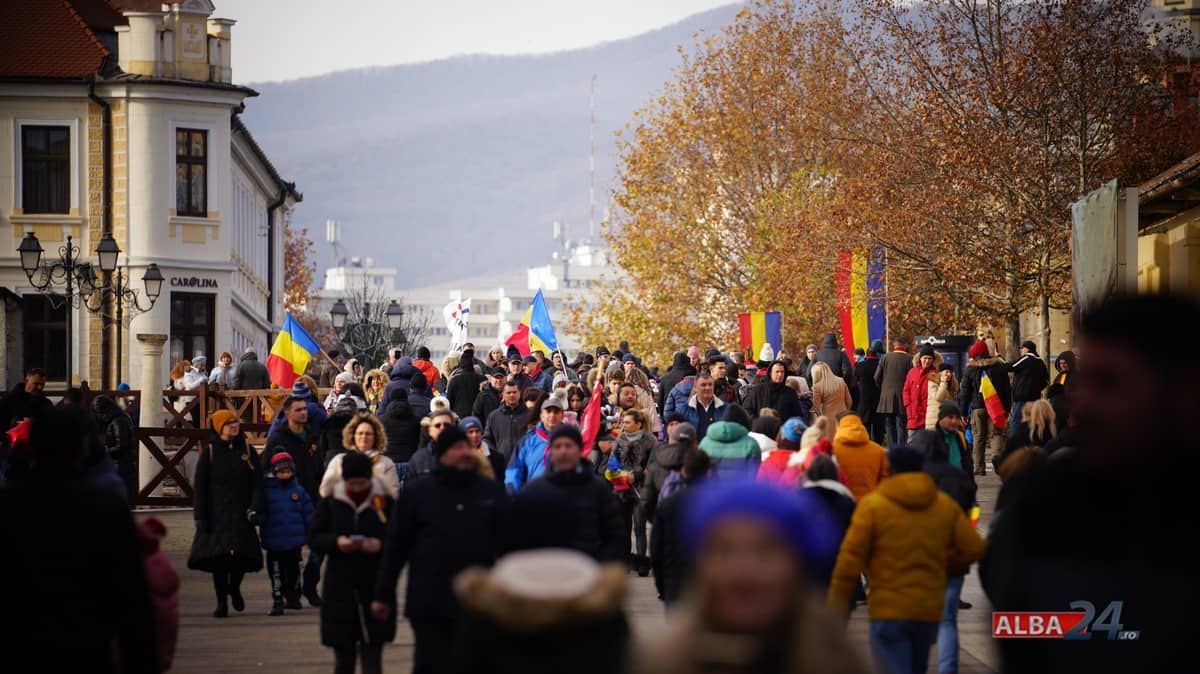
{"x":363,"y":434}
{"x":374,"y":384}
{"x":943,"y":387}
{"x":830,"y":395}
{"x":645,"y":396}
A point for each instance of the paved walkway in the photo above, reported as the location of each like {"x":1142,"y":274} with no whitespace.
{"x":254,"y":642}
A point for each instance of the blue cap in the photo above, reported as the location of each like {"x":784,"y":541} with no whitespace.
{"x":122,"y":386}
{"x":800,"y":519}
{"x":793,"y":429}
{"x":468,"y":423}
{"x":628,"y":358}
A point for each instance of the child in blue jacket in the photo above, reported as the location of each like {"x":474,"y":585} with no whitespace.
{"x":284,"y":520}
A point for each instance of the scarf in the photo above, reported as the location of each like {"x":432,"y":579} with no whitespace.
{"x":633,"y":437}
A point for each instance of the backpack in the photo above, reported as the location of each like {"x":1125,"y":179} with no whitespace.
{"x":671,"y":485}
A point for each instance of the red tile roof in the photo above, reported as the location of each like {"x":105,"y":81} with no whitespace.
{"x":99,"y":14}
{"x":46,"y":39}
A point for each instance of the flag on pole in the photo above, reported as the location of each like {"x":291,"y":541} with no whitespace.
{"x":535,"y":333}
{"x":858,"y":285}
{"x":590,"y":422}
{"x":760,"y":327}
{"x":290,"y":354}
{"x":992,"y":402}
{"x":458,"y":316}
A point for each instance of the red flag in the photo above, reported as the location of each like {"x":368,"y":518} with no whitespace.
{"x":590,"y":424}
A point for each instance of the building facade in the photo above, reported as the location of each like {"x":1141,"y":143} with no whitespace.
{"x":122,"y":118}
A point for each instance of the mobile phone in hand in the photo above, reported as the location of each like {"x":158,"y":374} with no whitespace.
{"x":356,"y":539}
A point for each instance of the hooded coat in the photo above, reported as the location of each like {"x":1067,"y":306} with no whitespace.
{"x":226,"y":486}
{"x":349,"y":584}
{"x":957,"y":483}
{"x":864,"y":462}
{"x":1030,"y":378}
{"x":399,"y":378}
{"x":904,"y":535}
{"x":734,"y":453}
{"x":403,"y":429}
{"x":251,"y":374}
{"x":835,"y":358}
{"x":916,"y":390}
{"x":464,"y":385}
{"x":681,"y":367}
{"x":664,"y":460}
{"x":778,"y":397}
{"x":117,"y":429}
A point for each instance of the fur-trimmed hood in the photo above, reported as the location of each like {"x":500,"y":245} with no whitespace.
{"x":983,"y":362}
{"x":485,"y":593}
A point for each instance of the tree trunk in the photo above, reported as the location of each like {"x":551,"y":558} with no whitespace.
{"x":1044,"y":341}
{"x":1013,"y":329}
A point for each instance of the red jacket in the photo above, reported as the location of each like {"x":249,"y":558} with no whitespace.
{"x":164,"y":590}
{"x":916,"y":396}
{"x":773,"y":468}
{"x":428,"y":369}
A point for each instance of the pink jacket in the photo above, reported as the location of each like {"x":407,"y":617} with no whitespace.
{"x":164,"y":590}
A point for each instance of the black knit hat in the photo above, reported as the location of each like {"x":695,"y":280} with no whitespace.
{"x":450,"y":436}
{"x":926,"y":351}
{"x":355,"y":465}
{"x":905,"y":459}
{"x":422,"y":353}
{"x":566,"y":431}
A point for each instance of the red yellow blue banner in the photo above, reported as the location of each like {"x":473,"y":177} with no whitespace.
{"x":290,"y":354}
{"x":535,"y":333}
{"x":859,"y":286}
{"x":757,"y":328}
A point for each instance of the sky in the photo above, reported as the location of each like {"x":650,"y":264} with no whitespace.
{"x":287,"y":39}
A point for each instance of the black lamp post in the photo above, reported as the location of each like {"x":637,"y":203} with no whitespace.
{"x":362,"y":335}
{"x":79,"y":281}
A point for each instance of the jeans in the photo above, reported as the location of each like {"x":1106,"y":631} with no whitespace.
{"x":1015,"y":417}
{"x":894,"y":425}
{"x":902,"y":646}
{"x":312,"y":570}
{"x":947,"y":634}
{"x":402,"y":472}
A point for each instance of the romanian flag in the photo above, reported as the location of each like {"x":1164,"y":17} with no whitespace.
{"x":535,"y":333}
{"x":757,"y":328}
{"x":290,"y":355}
{"x":992,"y":401}
{"x":590,"y":423}
{"x":975,"y":514}
{"x":860,"y":297}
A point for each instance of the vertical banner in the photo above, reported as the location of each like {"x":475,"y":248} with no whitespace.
{"x":859,"y":289}
{"x":458,"y":318}
{"x":757,"y":328}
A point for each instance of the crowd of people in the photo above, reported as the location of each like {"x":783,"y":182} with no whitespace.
{"x":767,"y":497}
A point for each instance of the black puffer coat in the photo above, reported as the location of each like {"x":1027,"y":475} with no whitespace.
{"x":440,"y":526}
{"x":775,"y":396}
{"x":463,"y":386}
{"x":663,"y":460}
{"x":350,"y":577}
{"x":403,"y":429}
{"x":227,"y":480}
{"x":598,"y":530}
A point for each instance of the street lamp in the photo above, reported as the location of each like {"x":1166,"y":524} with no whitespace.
{"x":79,"y":281}
{"x":338,"y":314}
{"x":394,"y":315}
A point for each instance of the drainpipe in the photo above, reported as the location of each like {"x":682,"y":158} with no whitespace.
{"x":106,"y":365}
{"x":271,"y":208}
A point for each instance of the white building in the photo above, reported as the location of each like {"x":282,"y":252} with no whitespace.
{"x":498,"y":302}
{"x":126,"y":122}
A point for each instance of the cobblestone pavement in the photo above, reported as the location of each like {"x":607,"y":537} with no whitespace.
{"x":254,"y":642}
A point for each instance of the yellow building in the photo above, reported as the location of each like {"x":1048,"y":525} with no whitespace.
{"x":1169,"y":230}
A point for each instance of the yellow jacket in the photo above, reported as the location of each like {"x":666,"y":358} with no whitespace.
{"x":865,"y":462}
{"x":904,"y":535}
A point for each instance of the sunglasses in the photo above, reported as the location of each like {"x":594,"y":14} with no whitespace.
{"x":442,"y":425}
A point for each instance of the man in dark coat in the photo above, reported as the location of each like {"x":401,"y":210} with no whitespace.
{"x":664,"y":460}
{"x":868,"y":393}
{"x":119,"y":444}
{"x":403,"y":428}
{"x":599,"y":532}
{"x":463,"y":386}
{"x":774,"y":393}
{"x":299,"y":439}
{"x":251,"y":374}
{"x":329,"y":370}
{"x":681,"y":367}
{"x":442,"y":525}
{"x":889,"y":377}
{"x":26,"y":400}
{"x":399,"y":378}
{"x":72,"y":564}
{"x":419,"y":398}
{"x":489,"y":394}
{"x":505,"y":426}
{"x":667,"y":557}
{"x":836,"y":359}
{"x":1131,"y":479}
{"x":1029,"y":378}
{"x":985,"y":434}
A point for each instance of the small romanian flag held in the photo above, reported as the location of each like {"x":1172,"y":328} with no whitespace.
{"x":535,"y":333}
{"x":290,"y":354}
{"x":975,"y":514}
{"x":992,"y":401}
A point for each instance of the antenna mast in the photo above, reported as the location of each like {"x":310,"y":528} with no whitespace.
{"x":592,"y":162}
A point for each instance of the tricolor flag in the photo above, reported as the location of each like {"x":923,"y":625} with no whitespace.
{"x":290,"y":354}
{"x":860,"y":297}
{"x":757,"y":328}
{"x":590,"y":423}
{"x":535,"y":333}
{"x":992,"y":402}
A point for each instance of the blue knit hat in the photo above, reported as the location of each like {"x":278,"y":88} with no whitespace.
{"x":301,"y":390}
{"x":801,"y":519}
{"x":793,"y":429}
{"x":468,"y":423}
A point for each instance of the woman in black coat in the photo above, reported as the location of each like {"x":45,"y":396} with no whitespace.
{"x":868,"y":394}
{"x":358,"y":507}
{"x":227,"y":479}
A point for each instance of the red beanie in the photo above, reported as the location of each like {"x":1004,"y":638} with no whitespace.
{"x":978,"y":350}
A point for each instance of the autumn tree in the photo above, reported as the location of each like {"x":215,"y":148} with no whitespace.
{"x":299,"y":267}
{"x":986,"y":119}
{"x":720,"y":180}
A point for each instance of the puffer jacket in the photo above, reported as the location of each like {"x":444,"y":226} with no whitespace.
{"x":663,"y":461}
{"x":680,"y":368}
{"x":916,"y":391}
{"x":400,"y":378}
{"x":865,"y":462}
{"x":1030,"y":378}
{"x":428,"y":369}
{"x":731,"y":448}
{"x":529,"y":460}
{"x":403,"y":430}
{"x":904,"y":535}
{"x":286,"y":515}
{"x":939,"y":392}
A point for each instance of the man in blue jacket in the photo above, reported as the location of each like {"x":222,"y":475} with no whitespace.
{"x":530,"y":461}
